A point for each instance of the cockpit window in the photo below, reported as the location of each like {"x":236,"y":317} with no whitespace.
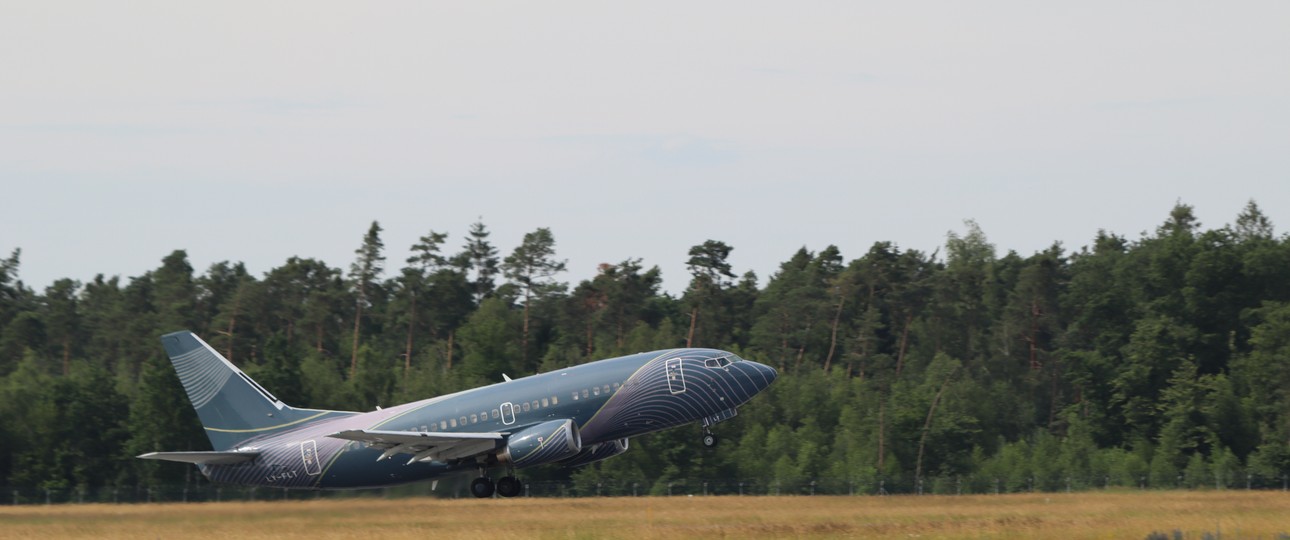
{"x":718,"y":362}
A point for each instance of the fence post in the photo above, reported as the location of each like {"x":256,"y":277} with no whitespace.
{"x":958,"y":485}
{"x":634,"y":486}
{"x":46,"y":496}
{"x":1068,"y":484}
{"x":15,"y":497}
{"x":996,"y":486}
{"x":1249,"y":478}
{"x":741,"y":489}
{"x":80,"y":495}
{"x":114,"y":499}
{"x":669,"y":489}
{"x":705,"y":488}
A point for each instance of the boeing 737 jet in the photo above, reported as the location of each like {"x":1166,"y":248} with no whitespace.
{"x":569,"y":417}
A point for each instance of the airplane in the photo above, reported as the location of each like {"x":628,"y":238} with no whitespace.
{"x":569,"y":417}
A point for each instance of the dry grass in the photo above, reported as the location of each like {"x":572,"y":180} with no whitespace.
{"x":1238,"y":514}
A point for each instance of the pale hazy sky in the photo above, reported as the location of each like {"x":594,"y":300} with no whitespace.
{"x":254,"y":131}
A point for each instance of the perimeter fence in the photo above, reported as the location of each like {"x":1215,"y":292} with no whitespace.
{"x":457,"y":488}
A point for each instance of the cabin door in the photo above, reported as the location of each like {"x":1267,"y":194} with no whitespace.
{"x":675,"y":376}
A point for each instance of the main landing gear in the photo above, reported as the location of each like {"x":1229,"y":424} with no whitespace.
{"x":482,"y":487}
{"x":507,"y":486}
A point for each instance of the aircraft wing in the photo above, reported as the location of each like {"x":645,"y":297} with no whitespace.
{"x":425,"y":446}
{"x":203,"y":458}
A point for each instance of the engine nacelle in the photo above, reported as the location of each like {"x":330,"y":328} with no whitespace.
{"x":544,"y":443}
{"x":592,"y":454}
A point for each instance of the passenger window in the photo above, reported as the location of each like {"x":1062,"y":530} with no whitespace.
{"x":525,"y":406}
{"x":495,"y":414}
{"x":616,"y":386}
{"x":463,"y":420}
{"x":474,"y":419}
{"x":595,"y":391}
{"x":452,"y":423}
{"x":443,"y":424}
{"x":425,"y":428}
{"x":545,"y":402}
{"x":535,"y":404}
{"x":584,"y":393}
{"x":575,"y":395}
{"x":605,"y":389}
{"x":555,"y":400}
{"x":483,"y":416}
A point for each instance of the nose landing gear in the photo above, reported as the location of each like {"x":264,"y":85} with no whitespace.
{"x":709,"y":440}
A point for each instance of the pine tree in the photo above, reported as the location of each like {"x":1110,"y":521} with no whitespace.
{"x":531,"y":268}
{"x":478,"y":257}
{"x":362,"y":275}
{"x":710,"y":273}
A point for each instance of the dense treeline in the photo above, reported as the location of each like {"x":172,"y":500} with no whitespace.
{"x":1160,"y":360}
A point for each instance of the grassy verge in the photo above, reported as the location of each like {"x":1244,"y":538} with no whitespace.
{"x":1237,"y":514}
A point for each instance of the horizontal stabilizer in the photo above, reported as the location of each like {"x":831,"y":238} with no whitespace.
{"x":203,"y":458}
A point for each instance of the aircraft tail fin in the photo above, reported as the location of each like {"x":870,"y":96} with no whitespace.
{"x":231,"y":406}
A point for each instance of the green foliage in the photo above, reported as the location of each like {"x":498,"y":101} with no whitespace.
{"x":1155,"y":361}
{"x":490,"y":342}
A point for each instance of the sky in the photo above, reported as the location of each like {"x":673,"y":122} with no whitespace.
{"x":257,"y":131}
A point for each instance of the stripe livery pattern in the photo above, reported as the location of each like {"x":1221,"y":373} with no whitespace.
{"x":202,"y":374}
{"x":549,"y":441}
{"x":650,"y":401}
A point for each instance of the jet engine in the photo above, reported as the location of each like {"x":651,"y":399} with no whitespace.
{"x":543,"y":443}
{"x":594,"y":453}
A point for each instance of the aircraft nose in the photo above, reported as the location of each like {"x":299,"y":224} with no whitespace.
{"x":768,"y":373}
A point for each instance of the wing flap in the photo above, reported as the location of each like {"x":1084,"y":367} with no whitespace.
{"x":424,"y":446}
{"x":203,"y":458}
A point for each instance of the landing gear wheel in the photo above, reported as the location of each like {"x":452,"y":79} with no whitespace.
{"x":709,"y":440}
{"x":509,"y":486}
{"x":481,"y":487}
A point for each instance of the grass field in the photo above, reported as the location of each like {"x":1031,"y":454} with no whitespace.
{"x":1236,"y":514}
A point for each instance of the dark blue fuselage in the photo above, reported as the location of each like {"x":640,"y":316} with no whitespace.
{"x":607,"y":400}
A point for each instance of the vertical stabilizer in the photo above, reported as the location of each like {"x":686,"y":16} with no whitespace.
{"x":231,"y":406}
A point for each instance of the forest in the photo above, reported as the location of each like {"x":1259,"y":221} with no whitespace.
{"x":1160,"y":361}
